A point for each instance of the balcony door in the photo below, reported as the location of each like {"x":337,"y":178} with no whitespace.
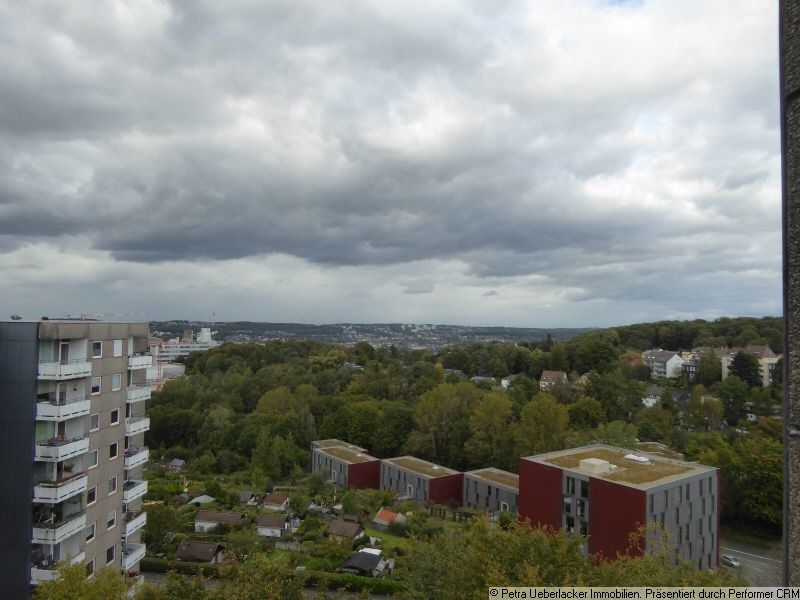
{"x":63,"y":353}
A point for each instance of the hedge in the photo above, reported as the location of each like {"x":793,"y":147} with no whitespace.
{"x":162,"y":565}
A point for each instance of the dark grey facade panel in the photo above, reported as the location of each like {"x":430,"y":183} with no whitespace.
{"x":483,"y":495}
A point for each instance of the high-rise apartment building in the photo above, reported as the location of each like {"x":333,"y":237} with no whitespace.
{"x":72,"y":424}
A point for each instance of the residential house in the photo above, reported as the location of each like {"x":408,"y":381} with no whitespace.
{"x":275,"y":502}
{"x":201,"y":500}
{"x":416,"y":479}
{"x":506,"y":381}
{"x":386,"y":517}
{"x":491,"y":490}
{"x":176,"y":464}
{"x":367,"y":562}
{"x":550,"y":378}
{"x":605,"y":494}
{"x":767,"y":361}
{"x":248,"y":498}
{"x":272,"y":526}
{"x":652,"y":395}
{"x":663,"y":363}
{"x":457,"y":373}
{"x":346,"y":466}
{"x":477,"y":379}
{"x":200,"y":552}
{"x":210,"y":520}
{"x":343,"y":531}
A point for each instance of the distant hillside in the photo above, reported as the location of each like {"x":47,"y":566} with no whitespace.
{"x":377,"y":334}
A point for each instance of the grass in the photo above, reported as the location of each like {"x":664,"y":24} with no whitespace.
{"x":421,"y":467}
{"x":500,"y":477}
{"x":389,"y":541}
{"x":748,"y":534}
{"x":628,"y":471}
{"x":280,"y":557}
{"x":347,"y":454}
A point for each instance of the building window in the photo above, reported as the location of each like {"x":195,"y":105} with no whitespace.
{"x":91,"y":495}
{"x":90,"y":568}
{"x":650,"y":503}
{"x":584,"y":489}
{"x":580,"y":509}
{"x":92,"y":459}
{"x":112,"y":485}
{"x":690,"y":511}
{"x":94,"y":422}
{"x":90,"y":532}
{"x":96,"y":381}
{"x":115,"y":417}
{"x":567,"y":505}
{"x":666,"y":499}
{"x":112,"y":519}
{"x":110,"y":555}
{"x":570,"y":486}
{"x":113,"y":451}
{"x":117,"y":347}
{"x":116,"y":382}
{"x":97,"y":349}
{"x":677,"y":514}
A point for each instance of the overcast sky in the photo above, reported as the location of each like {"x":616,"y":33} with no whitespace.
{"x":542,"y":163}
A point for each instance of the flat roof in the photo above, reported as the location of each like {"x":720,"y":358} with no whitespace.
{"x":332,"y":442}
{"x":346,"y":454}
{"x":656,"y":470}
{"x":497,"y":476}
{"x":419,"y":466}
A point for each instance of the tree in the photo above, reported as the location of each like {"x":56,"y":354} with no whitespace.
{"x":734,"y":393}
{"x":745,"y":366}
{"x":558,"y":359}
{"x":616,"y":433}
{"x":162,"y":522}
{"x":71,"y":584}
{"x":655,"y":424}
{"x":488,"y":426}
{"x":702,"y":412}
{"x":586,"y":413}
{"x":709,"y":369}
{"x":542,"y":426}
{"x":596,"y":351}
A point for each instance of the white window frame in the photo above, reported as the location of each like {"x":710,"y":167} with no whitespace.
{"x":93,"y":526}
{"x":116,"y":386}
{"x":99,"y":381}
{"x":95,"y":496}
{"x":117,"y":348}
{"x":96,"y":455}
{"x":111,"y":417}
{"x":504,"y":506}
{"x":113,"y":451}
{"x":101,"y":349}
{"x":111,"y":518}
{"x":113,"y":554}
{"x":90,"y":569}
{"x":116,"y":487}
{"x":92,"y":419}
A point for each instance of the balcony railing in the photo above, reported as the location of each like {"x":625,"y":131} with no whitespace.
{"x":140,"y":361}
{"x":53,"y":492}
{"x":56,"y":531}
{"x":133,"y":490}
{"x":58,"y":370}
{"x":136,"y":456}
{"x":131,"y":555}
{"x":57,"y":449}
{"x":133,"y":523}
{"x":137,"y":393}
{"x":53,"y":409}
{"x":136,"y":425}
{"x":45,"y":570}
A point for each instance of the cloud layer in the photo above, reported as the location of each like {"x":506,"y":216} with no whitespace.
{"x":531,"y":163}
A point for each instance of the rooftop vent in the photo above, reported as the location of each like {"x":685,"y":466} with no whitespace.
{"x":639,"y":459}
{"x":435,"y":468}
{"x":359,"y":455}
{"x":594,"y":465}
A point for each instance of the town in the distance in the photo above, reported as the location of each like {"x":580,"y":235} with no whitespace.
{"x":424,"y":461}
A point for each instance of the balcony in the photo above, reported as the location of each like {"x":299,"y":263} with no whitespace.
{"x":138,"y":393}
{"x":61,"y":410}
{"x":44,"y":570}
{"x":133,"y":490}
{"x":57,"y":449}
{"x":133,"y":523}
{"x":140,"y":361}
{"x":65,"y":369}
{"x":136,"y":456}
{"x":53,"y":492}
{"x":131,"y":555}
{"x":55,"y":532}
{"x":136,"y":425}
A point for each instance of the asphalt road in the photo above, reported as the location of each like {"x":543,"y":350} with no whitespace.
{"x":760,"y":566}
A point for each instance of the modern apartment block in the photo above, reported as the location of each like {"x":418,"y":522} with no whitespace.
{"x":416,"y":479}
{"x":607,"y":493}
{"x":72,"y":431}
{"x":491,"y":490}
{"x":345,"y":465}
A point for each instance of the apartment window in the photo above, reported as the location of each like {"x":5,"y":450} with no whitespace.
{"x":94,"y":422}
{"x":690,"y":511}
{"x":115,"y":417}
{"x":112,"y":485}
{"x":117,"y":347}
{"x":96,"y":381}
{"x":116,"y":382}
{"x":709,"y":523}
{"x":680,"y":535}
{"x":666,"y":499}
{"x":567,"y":504}
{"x":650,"y":503}
{"x":112,"y":519}
{"x":97,"y":349}
{"x":90,"y":568}
{"x":110,"y":555}
{"x":581,"y":509}
{"x":113,"y":451}
{"x":677,"y":514}
{"x":92,"y":459}
{"x":504,"y":506}
{"x":90,"y":530}
{"x":570,"y":486}
{"x":91,"y":495}
{"x":584,"y":489}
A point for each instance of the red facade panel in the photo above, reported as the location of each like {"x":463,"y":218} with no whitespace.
{"x":615,"y":512}
{"x":364,"y":475}
{"x":540,"y":499}
{"x":441,"y":490}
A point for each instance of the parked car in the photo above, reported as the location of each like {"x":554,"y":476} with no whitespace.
{"x":730,"y":561}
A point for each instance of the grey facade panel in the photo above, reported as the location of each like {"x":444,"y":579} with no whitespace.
{"x":483,"y":495}
{"x":333,"y":469}
{"x":18,"y":372}
{"x":404,"y":483}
